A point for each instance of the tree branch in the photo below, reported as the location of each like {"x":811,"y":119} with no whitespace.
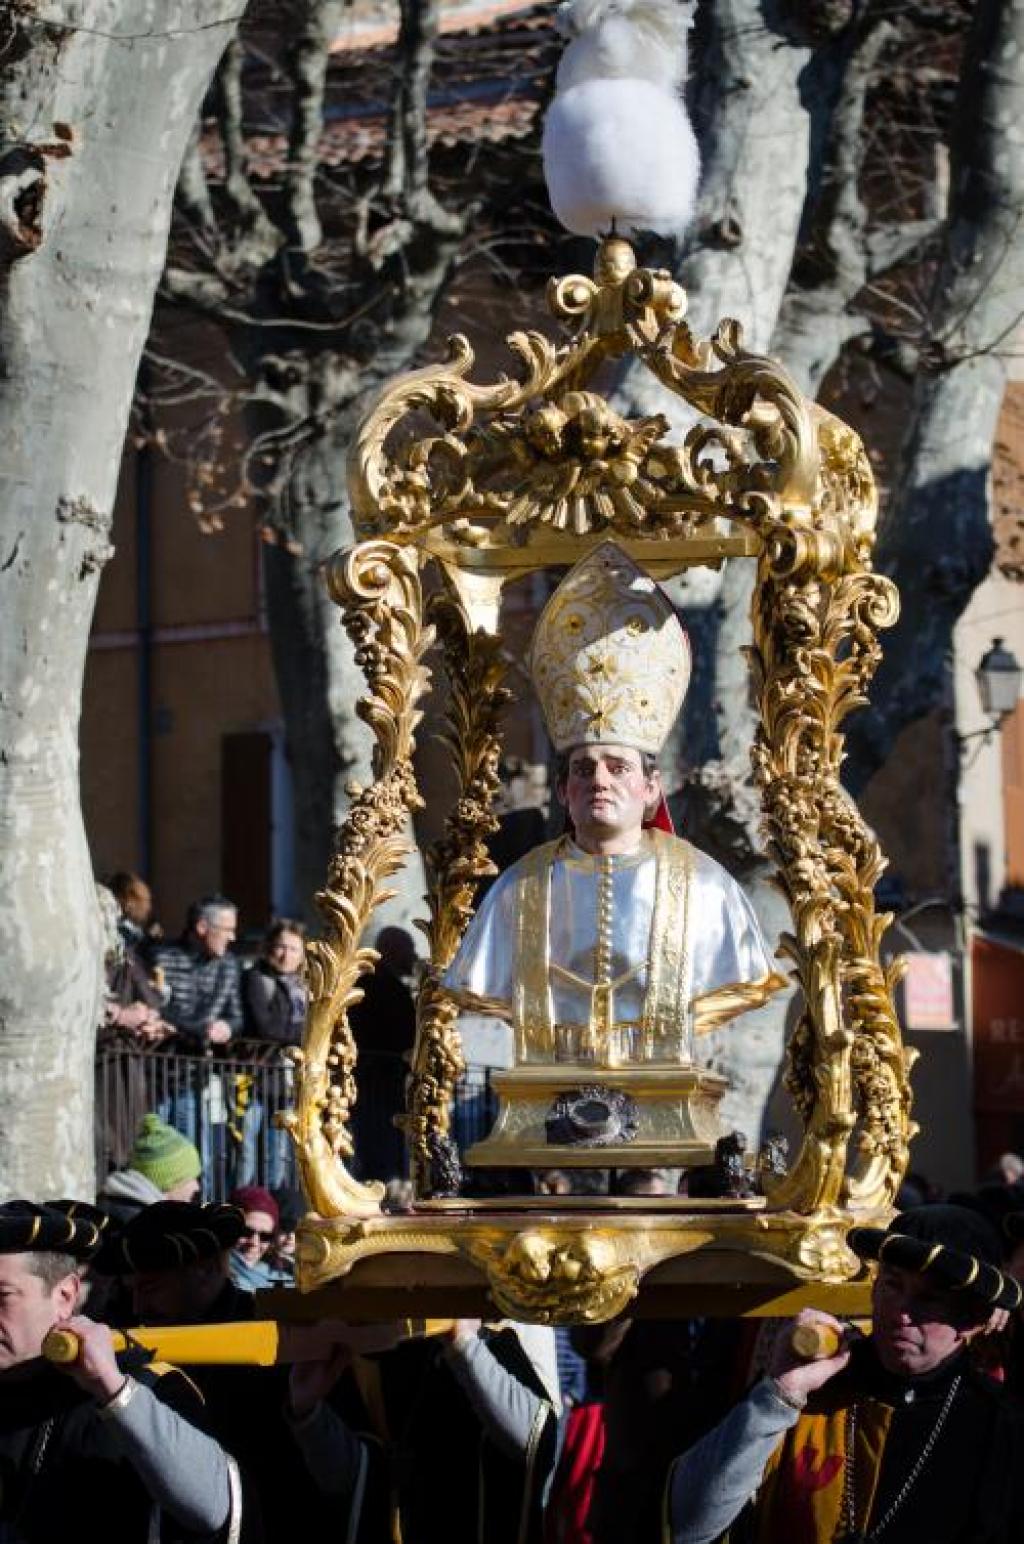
{"x":887,"y":245}
{"x":203,"y":291}
{"x":193,"y":194}
{"x":318,"y":24}
{"x":253,"y":239}
{"x":405,"y":178}
{"x":816,"y":318}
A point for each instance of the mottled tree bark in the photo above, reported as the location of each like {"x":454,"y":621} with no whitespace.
{"x":98,"y":98}
{"x":936,"y":539}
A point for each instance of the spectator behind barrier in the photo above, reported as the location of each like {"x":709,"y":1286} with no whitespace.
{"x":273,"y":991}
{"x":202,"y":977}
{"x":249,"y":1269}
{"x":162,"y":1166}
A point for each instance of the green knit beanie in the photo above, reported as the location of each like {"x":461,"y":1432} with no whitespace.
{"x":163,"y":1155}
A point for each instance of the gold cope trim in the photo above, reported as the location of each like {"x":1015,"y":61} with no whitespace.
{"x":713,"y":1009}
{"x":667,"y":1003}
{"x":664,"y":1012}
{"x":534,"y":1023}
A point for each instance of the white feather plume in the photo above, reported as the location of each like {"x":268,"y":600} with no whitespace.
{"x":618,"y":145}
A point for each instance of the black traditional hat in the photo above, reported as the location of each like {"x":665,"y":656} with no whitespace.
{"x":168,"y":1234}
{"x":956,"y":1247}
{"x":28,"y":1228}
{"x":83,"y":1211}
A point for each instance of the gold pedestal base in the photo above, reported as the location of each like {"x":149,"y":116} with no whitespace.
{"x":671,"y":1118}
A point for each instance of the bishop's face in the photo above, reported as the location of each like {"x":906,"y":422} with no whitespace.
{"x":607,"y":794}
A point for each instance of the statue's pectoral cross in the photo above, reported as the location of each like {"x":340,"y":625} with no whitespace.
{"x":598,"y":1036}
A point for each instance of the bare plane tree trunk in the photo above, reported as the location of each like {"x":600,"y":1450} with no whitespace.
{"x":936,"y":539}
{"x":98,"y":100}
{"x":318,"y":678}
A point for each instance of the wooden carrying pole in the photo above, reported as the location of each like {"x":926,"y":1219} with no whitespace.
{"x":258,"y":1343}
{"x":816,"y":1341}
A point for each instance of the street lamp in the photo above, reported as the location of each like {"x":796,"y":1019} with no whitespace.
{"x":999,"y":679}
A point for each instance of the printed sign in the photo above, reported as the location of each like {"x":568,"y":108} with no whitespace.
{"x":928,"y":991}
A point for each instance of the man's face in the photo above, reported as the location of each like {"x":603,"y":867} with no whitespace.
{"x":217,"y":932}
{"x":607,"y":793}
{"x":915,"y":1325}
{"x":257,"y":1237}
{"x":28,"y":1308}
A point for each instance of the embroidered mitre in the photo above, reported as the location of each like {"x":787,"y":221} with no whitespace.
{"x":610,"y":660}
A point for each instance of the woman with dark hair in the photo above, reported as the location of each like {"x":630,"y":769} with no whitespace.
{"x":274,"y":999}
{"x":273,"y":991}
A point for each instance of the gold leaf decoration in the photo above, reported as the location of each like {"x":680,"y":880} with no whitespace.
{"x":455,"y":864}
{"x":377,"y":584}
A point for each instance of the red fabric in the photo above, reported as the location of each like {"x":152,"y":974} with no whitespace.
{"x":661,"y":820}
{"x":565,"y":1520}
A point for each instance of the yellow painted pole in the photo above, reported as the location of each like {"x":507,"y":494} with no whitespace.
{"x":257,"y":1343}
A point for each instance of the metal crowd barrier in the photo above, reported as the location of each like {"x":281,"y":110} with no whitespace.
{"x":225,"y":1104}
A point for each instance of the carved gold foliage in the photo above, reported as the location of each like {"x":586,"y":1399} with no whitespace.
{"x":475,"y":669}
{"x":378,"y":586}
{"x":823,"y":1251}
{"x":544,"y":451}
{"x":817,"y":613}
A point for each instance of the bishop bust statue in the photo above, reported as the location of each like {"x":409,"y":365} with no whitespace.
{"x":610,"y":949}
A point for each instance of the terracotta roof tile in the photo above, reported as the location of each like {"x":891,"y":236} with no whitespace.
{"x":491,"y":73}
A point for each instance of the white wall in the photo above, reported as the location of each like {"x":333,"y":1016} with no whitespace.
{"x":996,"y":611}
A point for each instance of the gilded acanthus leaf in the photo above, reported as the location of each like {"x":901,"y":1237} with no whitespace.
{"x":455,"y":864}
{"x":378,"y":586}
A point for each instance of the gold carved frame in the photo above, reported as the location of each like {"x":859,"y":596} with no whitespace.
{"x":525,"y":474}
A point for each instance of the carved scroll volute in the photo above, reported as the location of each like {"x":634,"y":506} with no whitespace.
{"x":750,"y":392}
{"x":816,"y":615}
{"x":377,"y":585}
{"x":475,"y":670}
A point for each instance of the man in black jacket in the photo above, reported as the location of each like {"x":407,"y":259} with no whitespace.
{"x":895,"y":1435}
{"x":201,"y":976}
{"x":111,"y":1434}
{"x":174,"y":1258}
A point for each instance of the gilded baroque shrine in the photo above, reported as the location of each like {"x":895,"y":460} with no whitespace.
{"x":457,"y":489}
